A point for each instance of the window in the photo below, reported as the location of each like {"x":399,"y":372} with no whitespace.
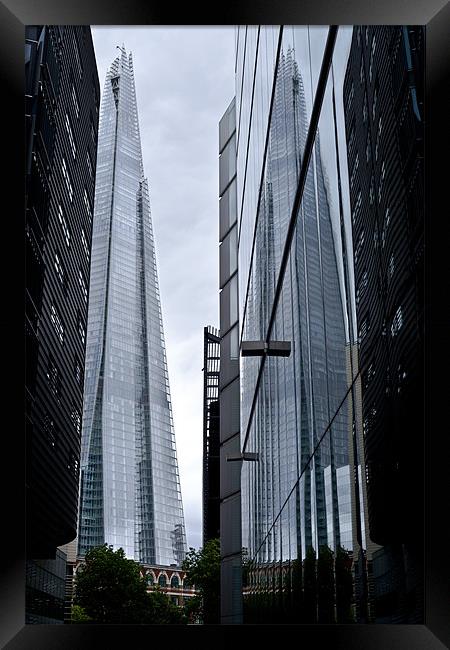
{"x":359,"y":245}
{"x":76,"y":105}
{"x":371,"y":192}
{"x":375,"y":238}
{"x":87,"y":204}
{"x":53,"y":376}
{"x":350,"y":96}
{"x":380,"y":188}
{"x":361,"y":287}
{"x":351,"y":138}
{"x":81,"y":329}
{"x":65,"y":173}
{"x":391,"y":266}
{"x":63,"y":222}
{"x":77,"y":371}
{"x":93,"y":134}
{"x":69,"y":130}
{"x":374,"y":101}
{"x":82,"y":283}
{"x":380,"y":127}
{"x":150,"y":578}
{"x":89,"y":164}
{"x":76,"y":419}
{"x":77,"y":56}
{"x":397,"y":322}
{"x":372,"y":52}
{"x":401,"y":376}
{"x":57,"y":323}
{"x":162,"y":580}
{"x":368,"y":148}
{"x":365,"y":426}
{"x":364,"y":328}
{"x":84,"y":242}
{"x":50,"y":430}
{"x":59,"y":270}
{"x":355,"y":167}
{"x":175,"y":582}
{"x":369,"y":375}
{"x":72,"y":464}
{"x":357,"y":208}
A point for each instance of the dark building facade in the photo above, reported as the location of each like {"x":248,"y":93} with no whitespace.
{"x":46,"y":590}
{"x":211,"y":429}
{"x":62,"y":102}
{"x":384,"y":116}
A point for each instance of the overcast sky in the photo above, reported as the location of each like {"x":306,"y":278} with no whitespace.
{"x":184,"y":82}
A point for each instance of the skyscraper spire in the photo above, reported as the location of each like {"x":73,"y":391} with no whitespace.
{"x":130,"y":489}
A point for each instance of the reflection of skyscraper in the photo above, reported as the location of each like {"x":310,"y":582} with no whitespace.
{"x":298,"y":397}
{"x":130,"y":489}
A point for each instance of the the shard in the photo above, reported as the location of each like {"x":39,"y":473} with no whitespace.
{"x":130,"y":487}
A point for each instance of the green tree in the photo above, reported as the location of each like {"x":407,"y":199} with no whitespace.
{"x":344,"y":587}
{"x":162,"y":610}
{"x":110,"y":589}
{"x":203,"y":571}
{"x":78,"y":615}
{"x":297,"y":591}
{"x":325,"y":585}
{"x":310,"y":586}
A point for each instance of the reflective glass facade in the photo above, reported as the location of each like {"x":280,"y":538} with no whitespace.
{"x":308,"y":549}
{"x":130,"y":488}
{"x":297,"y":498}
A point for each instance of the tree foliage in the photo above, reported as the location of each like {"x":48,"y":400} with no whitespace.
{"x":325,"y":585}
{"x":110,"y":589}
{"x":203,"y":571}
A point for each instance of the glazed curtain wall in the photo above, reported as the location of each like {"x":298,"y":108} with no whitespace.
{"x":130,"y":488}
{"x":298,"y":499}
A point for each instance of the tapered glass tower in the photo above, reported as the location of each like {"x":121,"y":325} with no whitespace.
{"x":130,"y":488}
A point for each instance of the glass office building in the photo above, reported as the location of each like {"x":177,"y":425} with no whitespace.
{"x":300,"y":500}
{"x":130,"y":488}
{"x":307,"y":549}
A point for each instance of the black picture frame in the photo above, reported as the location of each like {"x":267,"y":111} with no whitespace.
{"x":435,"y":14}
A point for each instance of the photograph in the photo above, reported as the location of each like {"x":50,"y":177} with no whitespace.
{"x":225,"y":329}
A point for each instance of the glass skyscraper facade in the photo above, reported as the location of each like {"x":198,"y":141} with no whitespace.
{"x":297,"y":497}
{"x":130,"y":488}
{"x":309,"y":553}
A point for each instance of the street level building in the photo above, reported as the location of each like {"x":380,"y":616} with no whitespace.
{"x":211,"y":428}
